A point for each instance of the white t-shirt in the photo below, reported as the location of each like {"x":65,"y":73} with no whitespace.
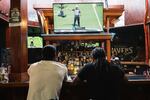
{"x":77,"y":12}
{"x":46,"y":78}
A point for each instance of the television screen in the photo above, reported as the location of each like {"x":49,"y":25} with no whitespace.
{"x":35,"y":42}
{"x":78,"y":17}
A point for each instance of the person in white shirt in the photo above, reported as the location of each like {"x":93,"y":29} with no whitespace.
{"x":46,"y":76}
{"x":76,"y":16}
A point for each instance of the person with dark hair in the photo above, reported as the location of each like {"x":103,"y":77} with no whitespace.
{"x":46,"y":76}
{"x":101,"y":78}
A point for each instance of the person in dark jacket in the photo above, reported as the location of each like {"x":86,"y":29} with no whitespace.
{"x":103,"y":80}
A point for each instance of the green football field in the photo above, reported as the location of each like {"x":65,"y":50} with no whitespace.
{"x":37,"y":42}
{"x":91,"y":16}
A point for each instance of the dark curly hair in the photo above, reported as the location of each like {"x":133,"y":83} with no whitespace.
{"x":100,"y":59}
{"x":49,"y":52}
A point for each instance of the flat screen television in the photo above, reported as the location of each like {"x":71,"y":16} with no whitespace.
{"x":35,"y":42}
{"x":78,"y":17}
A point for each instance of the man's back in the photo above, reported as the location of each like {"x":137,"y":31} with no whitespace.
{"x":103,"y":84}
{"x":46,"y":79}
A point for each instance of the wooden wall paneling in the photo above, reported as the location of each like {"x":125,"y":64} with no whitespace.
{"x":5,"y":6}
{"x":3,"y":26}
{"x":134,"y":11}
{"x":149,"y":11}
{"x":18,"y":42}
{"x":8,"y":37}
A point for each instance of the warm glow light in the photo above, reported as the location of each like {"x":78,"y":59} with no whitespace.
{"x":23,"y":23}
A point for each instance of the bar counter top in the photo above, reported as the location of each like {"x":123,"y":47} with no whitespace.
{"x":136,"y":87}
{"x":14,"y":84}
{"x":137,"y":79}
{"x":130,"y":79}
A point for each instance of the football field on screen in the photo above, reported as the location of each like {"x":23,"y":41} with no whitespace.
{"x":91,"y":16}
{"x":37,"y":42}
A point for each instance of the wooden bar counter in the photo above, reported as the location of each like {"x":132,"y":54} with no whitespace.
{"x":13,"y":91}
{"x":134,"y":88}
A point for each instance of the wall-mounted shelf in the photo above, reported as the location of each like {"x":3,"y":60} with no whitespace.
{"x":113,"y":13}
{"x":92,"y":36}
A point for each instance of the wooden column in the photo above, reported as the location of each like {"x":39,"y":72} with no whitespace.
{"x":108,"y":48}
{"x":146,"y":30}
{"x":46,"y":25}
{"x":18,"y":39}
{"x":148,"y":21}
{"x":110,"y":14}
{"x":149,"y":42}
{"x":45,"y":17}
{"x":107,"y":24}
